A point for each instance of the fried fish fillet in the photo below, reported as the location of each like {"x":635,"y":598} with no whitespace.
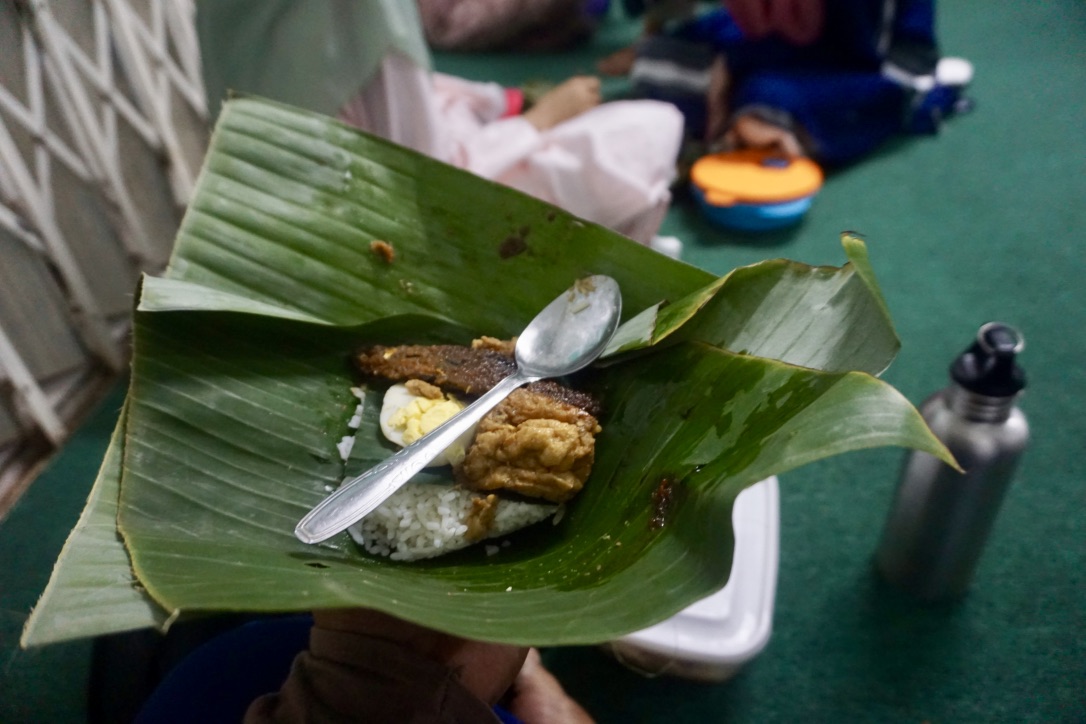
{"x":468,"y":370}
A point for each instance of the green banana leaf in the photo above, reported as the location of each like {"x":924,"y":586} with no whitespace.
{"x":92,"y":589}
{"x":240,"y":392}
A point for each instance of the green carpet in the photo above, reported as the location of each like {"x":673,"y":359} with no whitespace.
{"x":982,"y":222}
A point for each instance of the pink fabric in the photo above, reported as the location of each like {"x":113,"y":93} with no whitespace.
{"x":514,"y":102}
{"x":612,"y":165}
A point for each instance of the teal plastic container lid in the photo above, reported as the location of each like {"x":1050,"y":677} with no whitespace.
{"x":755,"y":217}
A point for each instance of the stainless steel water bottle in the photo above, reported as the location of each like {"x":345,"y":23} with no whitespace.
{"x":940,"y":518}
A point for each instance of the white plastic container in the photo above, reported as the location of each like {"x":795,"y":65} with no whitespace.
{"x":713,"y":638}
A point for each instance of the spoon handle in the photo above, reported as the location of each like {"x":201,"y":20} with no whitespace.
{"x":356,"y":498}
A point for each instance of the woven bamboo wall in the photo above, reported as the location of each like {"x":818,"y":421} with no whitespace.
{"x":103,"y":124}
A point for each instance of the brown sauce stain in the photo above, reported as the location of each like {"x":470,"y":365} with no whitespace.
{"x":512,"y":246}
{"x":662,"y":499}
{"x":515,"y":244}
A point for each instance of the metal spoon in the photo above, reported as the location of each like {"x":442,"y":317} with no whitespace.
{"x":566,"y":336}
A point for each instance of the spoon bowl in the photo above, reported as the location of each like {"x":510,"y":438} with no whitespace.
{"x":572,"y":331}
{"x":566,"y":336}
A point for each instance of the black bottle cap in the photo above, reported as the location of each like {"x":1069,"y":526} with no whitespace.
{"x":988,"y":366}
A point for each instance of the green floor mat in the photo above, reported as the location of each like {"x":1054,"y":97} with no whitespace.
{"x":982,"y":222}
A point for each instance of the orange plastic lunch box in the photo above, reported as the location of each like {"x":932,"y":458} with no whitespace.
{"x":754,"y":190}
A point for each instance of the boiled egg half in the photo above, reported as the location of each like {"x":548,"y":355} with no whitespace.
{"x":406,"y":416}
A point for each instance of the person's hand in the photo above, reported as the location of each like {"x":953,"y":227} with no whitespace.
{"x":797,"y":21}
{"x":538,"y":698}
{"x":486,"y":670}
{"x":564,"y":101}
{"x":716,"y":100}
{"x":749,"y":131}
{"x":618,"y":63}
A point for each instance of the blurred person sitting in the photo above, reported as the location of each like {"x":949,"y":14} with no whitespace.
{"x":366,"y":62}
{"x":829,"y":80}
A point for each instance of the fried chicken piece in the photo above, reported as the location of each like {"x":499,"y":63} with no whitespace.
{"x":534,"y":445}
{"x":481,"y":516}
{"x":424,"y":389}
{"x":505,"y":346}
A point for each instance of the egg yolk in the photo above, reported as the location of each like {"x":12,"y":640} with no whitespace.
{"x":422,"y":415}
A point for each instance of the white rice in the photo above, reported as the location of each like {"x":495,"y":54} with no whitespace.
{"x":346,"y":443}
{"x":421,"y":520}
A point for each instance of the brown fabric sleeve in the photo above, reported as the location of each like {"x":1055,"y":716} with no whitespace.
{"x":346,"y":677}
